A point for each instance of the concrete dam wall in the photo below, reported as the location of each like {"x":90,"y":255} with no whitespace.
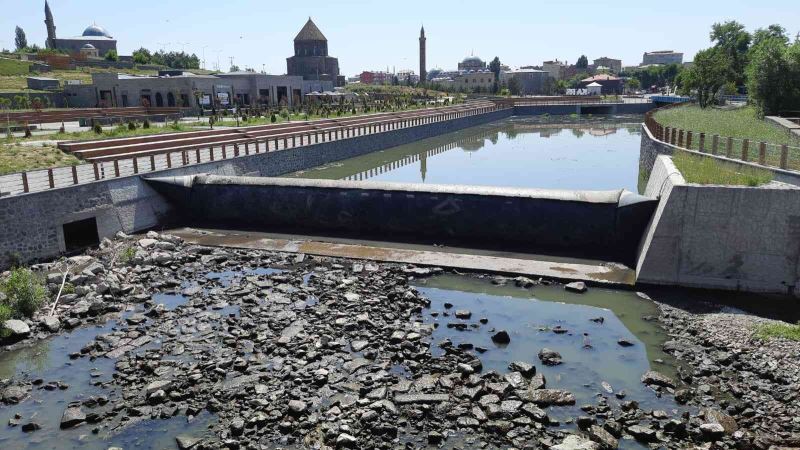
{"x":589,"y":224}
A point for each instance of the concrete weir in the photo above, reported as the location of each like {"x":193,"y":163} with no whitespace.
{"x":589,"y":224}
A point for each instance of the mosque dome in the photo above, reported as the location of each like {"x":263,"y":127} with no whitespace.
{"x":95,"y":30}
{"x":88,"y":47}
{"x":472,"y":60}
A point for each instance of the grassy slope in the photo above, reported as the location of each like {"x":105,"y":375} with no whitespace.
{"x":18,"y":158}
{"x":12,"y":80}
{"x":706,"y":170}
{"x":779,"y":330}
{"x":740,"y":123}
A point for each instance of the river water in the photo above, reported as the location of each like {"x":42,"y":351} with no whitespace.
{"x":529,"y":152}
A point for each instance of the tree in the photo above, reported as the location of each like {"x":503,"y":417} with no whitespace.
{"x":773,"y":76}
{"x":111,"y":55}
{"x":20,"y":40}
{"x":142,"y":56}
{"x":771,"y":32}
{"x":733,"y":39}
{"x":583,"y":63}
{"x":710,"y":72}
{"x":234,"y":68}
{"x":514,"y":86}
{"x":633,"y":84}
{"x":494,"y":67}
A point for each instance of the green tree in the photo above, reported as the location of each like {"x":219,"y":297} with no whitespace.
{"x":111,"y":55}
{"x":494,"y":67}
{"x":583,"y":63}
{"x":771,"y":32}
{"x":142,"y":56}
{"x":633,"y":84}
{"x":710,"y":72}
{"x":514,"y":87}
{"x":20,"y":40}
{"x":733,"y":39}
{"x":773,"y":76}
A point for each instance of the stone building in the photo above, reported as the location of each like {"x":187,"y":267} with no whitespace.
{"x":471,"y":63}
{"x":555,"y":69}
{"x":530,"y":81}
{"x":185,"y":89}
{"x":662,"y":57}
{"x":613,"y":65}
{"x":94,"y":35}
{"x":311,"y":60}
{"x":610,"y":85}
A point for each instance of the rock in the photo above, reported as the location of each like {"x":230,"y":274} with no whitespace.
{"x":625,"y":343}
{"x":435,"y":438}
{"x":535,"y":413}
{"x":237,"y":426}
{"x":501,"y":337}
{"x":297,"y":407}
{"x":537,"y":382}
{"x":50,"y":323}
{"x":601,"y":436}
{"x":14,"y":394}
{"x":578,"y":286}
{"x":405,"y":399}
{"x":17,"y":328}
{"x":186,"y":442}
{"x":136,"y":319}
{"x":72,"y":417}
{"x":657,"y":379}
{"x":712,"y":431}
{"x":575,"y":442}
{"x":346,"y":440}
{"x":463,"y":314}
{"x":727,"y":422}
{"x":549,"y":357}
{"x":158,"y":385}
{"x":30,"y":427}
{"x":549,"y":397}
{"x":524,"y":282}
{"x":682,"y":396}
{"x":642,"y":433}
{"x":527,"y":370}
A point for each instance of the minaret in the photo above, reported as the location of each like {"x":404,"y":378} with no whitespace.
{"x":423,"y":74}
{"x":51,"y":26}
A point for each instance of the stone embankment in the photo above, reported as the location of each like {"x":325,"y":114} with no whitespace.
{"x":326,"y":353}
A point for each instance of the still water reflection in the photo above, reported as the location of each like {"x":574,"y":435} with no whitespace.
{"x":517,"y":152}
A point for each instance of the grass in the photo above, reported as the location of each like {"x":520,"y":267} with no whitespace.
{"x":25,"y":292}
{"x":779,"y":330}
{"x":739,"y":123}
{"x":17,"y":158}
{"x":11,"y":67}
{"x":706,"y":170}
{"x":13,"y":79}
{"x":120,"y":131}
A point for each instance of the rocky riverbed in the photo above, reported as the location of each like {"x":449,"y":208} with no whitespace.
{"x":264,"y":350}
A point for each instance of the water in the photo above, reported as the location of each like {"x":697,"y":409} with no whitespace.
{"x":516,"y":152}
{"x":529,"y":315}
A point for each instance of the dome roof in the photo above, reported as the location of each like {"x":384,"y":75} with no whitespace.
{"x":88,"y":47}
{"x":472,"y":59}
{"x":95,"y":30}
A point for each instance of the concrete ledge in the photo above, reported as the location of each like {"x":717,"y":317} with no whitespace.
{"x":721,"y":237}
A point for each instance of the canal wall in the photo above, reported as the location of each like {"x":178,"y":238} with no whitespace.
{"x":32,"y":225}
{"x":588,"y":224}
{"x":565,"y":110}
{"x":720,"y":237}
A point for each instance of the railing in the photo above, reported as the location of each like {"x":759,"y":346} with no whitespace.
{"x":782,"y":156}
{"x":115,"y":167}
{"x":579,"y":102}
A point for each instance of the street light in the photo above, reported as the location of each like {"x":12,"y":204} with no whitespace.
{"x":204,"y":56}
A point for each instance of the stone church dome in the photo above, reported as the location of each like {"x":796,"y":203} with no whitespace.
{"x":95,"y":30}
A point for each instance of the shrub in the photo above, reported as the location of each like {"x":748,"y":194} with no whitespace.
{"x":127,"y":255}
{"x":5,"y":314}
{"x":146,"y":124}
{"x":273,"y":118}
{"x":25,"y":291}
{"x":97,"y":128}
{"x":131,"y":126}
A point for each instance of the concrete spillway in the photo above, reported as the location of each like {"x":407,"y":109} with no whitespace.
{"x":590,"y":224}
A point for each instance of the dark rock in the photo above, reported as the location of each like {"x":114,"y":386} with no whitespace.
{"x":727,"y":422}
{"x":712,"y":431}
{"x":643,"y":433}
{"x":657,"y":379}
{"x":186,"y":442}
{"x":549,"y":357}
{"x":625,"y":343}
{"x":501,"y":337}
{"x":30,"y":427}
{"x":549,"y":397}
{"x":602,"y":437}
{"x":72,"y":417}
{"x":527,"y":370}
{"x":463,"y":314}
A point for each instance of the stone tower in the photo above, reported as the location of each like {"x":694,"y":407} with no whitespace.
{"x":51,"y":26}
{"x":423,"y":74}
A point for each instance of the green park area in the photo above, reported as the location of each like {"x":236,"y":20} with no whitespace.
{"x":738,"y":123}
{"x":15,"y":157}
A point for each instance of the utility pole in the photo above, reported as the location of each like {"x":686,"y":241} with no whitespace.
{"x":231,"y":59}
{"x":204,"y":57}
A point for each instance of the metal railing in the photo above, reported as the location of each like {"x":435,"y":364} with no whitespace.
{"x":781,"y":156}
{"x":115,"y":167}
{"x":587,"y":102}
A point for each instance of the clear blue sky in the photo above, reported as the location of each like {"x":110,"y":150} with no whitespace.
{"x":376,"y":35}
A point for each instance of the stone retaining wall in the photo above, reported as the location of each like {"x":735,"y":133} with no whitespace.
{"x":31,"y":225}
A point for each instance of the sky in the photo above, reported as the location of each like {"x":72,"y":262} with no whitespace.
{"x":371,"y":35}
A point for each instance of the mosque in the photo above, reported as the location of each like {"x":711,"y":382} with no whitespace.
{"x":94,"y":42}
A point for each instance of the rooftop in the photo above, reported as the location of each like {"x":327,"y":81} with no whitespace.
{"x":310,"y":32}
